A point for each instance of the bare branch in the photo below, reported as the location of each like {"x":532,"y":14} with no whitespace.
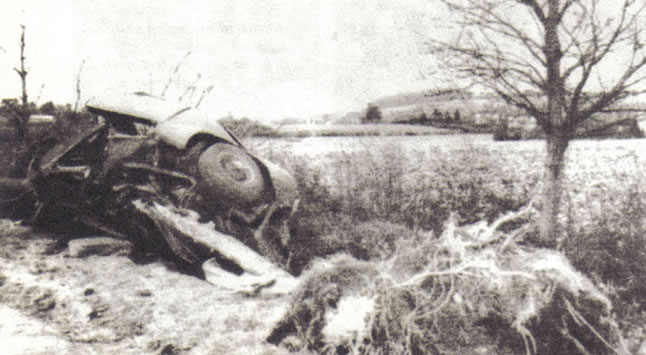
{"x":40,"y":93}
{"x":191,"y":88}
{"x":499,"y":50}
{"x":566,"y":7}
{"x":175,"y":71}
{"x":612,"y":96}
{"x":204,"y":93}
{"x":536,"y":8}
{"x":78,"y":87}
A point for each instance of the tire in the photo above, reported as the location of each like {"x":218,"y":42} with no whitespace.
{"x":230,"y":174}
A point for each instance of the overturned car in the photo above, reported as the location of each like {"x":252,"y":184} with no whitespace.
{"x":146,"y":158}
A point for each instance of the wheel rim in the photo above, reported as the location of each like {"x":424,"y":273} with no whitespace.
{"x":235,"y":168}
{"x":229,"y":174}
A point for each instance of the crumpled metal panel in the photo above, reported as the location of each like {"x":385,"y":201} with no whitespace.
{"x":175,"y":124}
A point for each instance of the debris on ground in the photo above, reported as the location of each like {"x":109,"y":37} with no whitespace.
{"x":83,"y":247}
{"x":235,"y":266}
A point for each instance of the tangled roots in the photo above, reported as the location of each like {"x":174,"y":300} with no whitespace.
{"x":472,"y":289}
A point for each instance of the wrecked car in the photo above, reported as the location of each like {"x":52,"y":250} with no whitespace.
{"x":146,"y":153}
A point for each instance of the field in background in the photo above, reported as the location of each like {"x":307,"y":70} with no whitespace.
{"x":386,"y":129}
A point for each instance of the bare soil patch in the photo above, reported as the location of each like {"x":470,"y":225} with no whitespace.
{"x":51,"y":302}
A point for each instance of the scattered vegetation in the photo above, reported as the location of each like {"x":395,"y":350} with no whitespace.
{"x":418,"y":191}
{"x":436,"y":118}
{"x":441,"y":253}
{"x":361,"y":203}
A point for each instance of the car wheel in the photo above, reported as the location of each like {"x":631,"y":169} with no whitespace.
{"x":229,"y":173}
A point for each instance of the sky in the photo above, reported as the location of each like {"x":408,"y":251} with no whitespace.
{"x":266,"y":59}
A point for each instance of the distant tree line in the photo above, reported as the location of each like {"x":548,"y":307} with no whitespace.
{"x":436,"y":118}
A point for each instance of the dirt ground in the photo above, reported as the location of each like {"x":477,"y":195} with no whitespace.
{"x":52,"y":303}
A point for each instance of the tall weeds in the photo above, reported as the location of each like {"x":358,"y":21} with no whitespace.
{"x":392,"y":185}
{"x":607,"y":233}
{"x":366,"y":202}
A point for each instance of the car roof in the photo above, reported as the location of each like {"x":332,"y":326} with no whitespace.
{"x":139,"y":105}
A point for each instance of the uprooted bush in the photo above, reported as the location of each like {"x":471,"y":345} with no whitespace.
{"x":472,"y":289}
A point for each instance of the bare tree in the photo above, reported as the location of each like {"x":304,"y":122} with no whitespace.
{"x":551,"y":59}
{"x":18,"y":111}
{"x":22,"y":72}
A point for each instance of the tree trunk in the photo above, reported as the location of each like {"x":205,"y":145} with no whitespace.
{"x":550,"y":227}
{"x":23,"y":72}
{"x":557,"y":131}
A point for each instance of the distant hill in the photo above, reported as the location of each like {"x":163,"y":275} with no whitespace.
{"x":479,"y":111}
{"x":421,"y":98}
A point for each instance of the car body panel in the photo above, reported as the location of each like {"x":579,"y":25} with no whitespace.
{"x":179,"y":129}
{"x":283,"y":183}
{"x":51,"y":158}
{"x":174,"y":123}
{"x":152,"y":108}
